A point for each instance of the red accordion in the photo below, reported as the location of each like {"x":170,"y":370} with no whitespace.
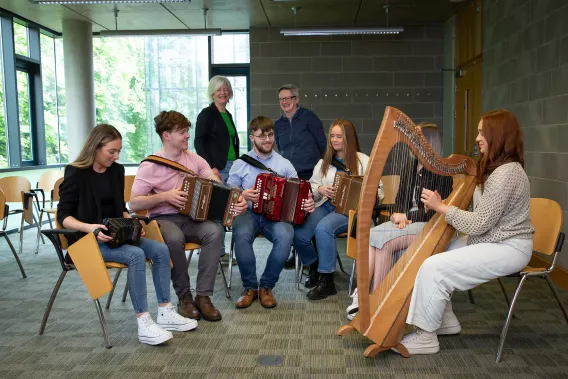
{"x":281,"y":199}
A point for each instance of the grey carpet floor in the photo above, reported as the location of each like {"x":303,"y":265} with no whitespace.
{"x":299,"y":333}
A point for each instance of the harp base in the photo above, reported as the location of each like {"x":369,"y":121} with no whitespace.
{"x":374,"y":349}
{"x":345,"y":329}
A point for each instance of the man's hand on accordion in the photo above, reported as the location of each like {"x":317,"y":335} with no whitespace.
{"x":100,"y":236}
{"x":175,"y":197}
{"x":241,"y":206}
{"x":251,"y":194}
{"x":310,"y":204}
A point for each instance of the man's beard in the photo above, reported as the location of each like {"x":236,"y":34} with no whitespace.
{"x":262,"y":149}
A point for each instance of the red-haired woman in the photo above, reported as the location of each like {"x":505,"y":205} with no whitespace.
{"x":499,"y":230}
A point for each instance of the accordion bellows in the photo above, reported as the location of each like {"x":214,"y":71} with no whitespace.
{"x":209,"y":200}
{"x":281,"y":199}
{"x":123,"y":231}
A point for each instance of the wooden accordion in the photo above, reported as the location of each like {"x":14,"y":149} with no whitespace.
{"x":382,"y":313}
{"x":209,"y":200}
{"x":281,"y":199}
{"x":347,"y":192}
{"x":122,"y":230}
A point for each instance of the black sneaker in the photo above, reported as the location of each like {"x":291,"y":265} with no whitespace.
{"x":324,"y":288}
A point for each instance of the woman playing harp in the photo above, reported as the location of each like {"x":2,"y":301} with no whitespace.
{"x":409,"y":216}
{"x":499,"y":230}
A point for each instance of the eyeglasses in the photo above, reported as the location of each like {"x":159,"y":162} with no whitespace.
{"x":264,"y":137}
{"x":282,"y":99}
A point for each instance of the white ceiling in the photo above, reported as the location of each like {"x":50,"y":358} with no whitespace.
{"x":236,"y":14}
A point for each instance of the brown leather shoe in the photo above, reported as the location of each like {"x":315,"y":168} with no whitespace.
{"x":207,"y":309}
{"x":267,"y":300}
{"x":247,"y":298}
{"x":186,"y":306}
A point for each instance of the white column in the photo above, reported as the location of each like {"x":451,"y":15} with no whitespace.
{"x":79,"y":83}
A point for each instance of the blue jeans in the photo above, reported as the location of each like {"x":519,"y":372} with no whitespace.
{"x":325,"y":225}
{"x":135,"y":258}
{"x":224,"y":176}
{"x":245,"y":229}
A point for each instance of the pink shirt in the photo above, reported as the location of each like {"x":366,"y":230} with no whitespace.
{"x":153,"y":178}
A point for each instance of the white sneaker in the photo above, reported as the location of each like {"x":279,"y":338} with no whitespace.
{"x":150,"y":333}
{"x":353,"y":309}
{"x":421,"y":342}
{"x":169,"y":319}
{"x":450,"y":323}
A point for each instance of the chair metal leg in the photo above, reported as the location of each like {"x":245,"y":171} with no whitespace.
{"x":103,"y":323}
{"x":508,"y":321}
{"x":109,"y":298}
{"x":189,"y":257}
{"x":51,"y":301}
{"x":125,"y":293}
{"x":38,"y":232}
{"x":21,"y":234}
{"x":555,"y":292}
{"x":38,"y":227}
{"x":504,"y":292}
{"x":351,"y":277}
{"x":340,"y":263}
{"x":231,"y":255}
{"x":227,"y":289}
{"x":49,"y":219}
{"x":15,"y":255}
{"x":297,"y":271}
{"x":470,"y":294}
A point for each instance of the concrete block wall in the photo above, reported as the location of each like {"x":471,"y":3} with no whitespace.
{"x":525,"y":69}
{"x":352,"y":77}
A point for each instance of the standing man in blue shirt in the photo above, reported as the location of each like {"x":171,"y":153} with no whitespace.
{"x":299,"y":133}
{"x":249,"y":224}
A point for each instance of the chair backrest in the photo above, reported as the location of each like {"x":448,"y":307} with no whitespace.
{"x":55,"y":192}
{"x":13,"y":187}
{"x":47,"y":180}
{"x":546,"y":218}
{"x":62,"y":239}
{"x":2,"y":205}
{"x":390,"y":188}
{"x":128,"y":182}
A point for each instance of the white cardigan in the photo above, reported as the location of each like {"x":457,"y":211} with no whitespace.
{"x":318,"y":180}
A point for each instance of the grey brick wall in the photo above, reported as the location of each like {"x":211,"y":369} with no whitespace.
{"x":525,"y":69}
{"x":352,"y":77}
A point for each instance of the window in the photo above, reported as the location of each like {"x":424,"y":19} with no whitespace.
{"x":149,"y":75}
{"x":21,"y":39}
{"x":231,"y":48}
{"x":3,"y":134}
{"x":26,"y":145}
{"x":55,"y":136}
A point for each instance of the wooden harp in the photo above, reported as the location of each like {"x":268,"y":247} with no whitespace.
{"x":382,"y":314}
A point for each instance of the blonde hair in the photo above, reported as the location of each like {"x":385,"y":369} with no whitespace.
{"x":99,"y":136}
{"x":350,"y":147}
{"x":216,"y":82}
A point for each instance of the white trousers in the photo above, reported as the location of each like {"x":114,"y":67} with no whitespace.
{"x":462,"y":268}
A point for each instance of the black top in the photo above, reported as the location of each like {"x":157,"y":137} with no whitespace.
{"x":212,"y":137}
{"x":423,"y":179}
{"x":80,"y":194}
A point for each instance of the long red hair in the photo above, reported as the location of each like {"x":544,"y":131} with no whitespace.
{"x":504,"y":138}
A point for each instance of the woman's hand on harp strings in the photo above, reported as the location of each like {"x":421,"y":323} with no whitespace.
{"x":251,"y":194}
{"x":241,"y":206}
{"x":400,"y":220}
{"x":175,"y":197}
{"x":327,"y":191}
{"x":432,"y":200}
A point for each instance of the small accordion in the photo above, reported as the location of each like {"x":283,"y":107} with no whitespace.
{"x":347,"y":192}
{"x":281,"y":199}
{"x":209,"y":200}
{"x":122,"y":230}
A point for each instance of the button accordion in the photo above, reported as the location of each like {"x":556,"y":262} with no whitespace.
{"x":209,"y":200}
{"x":122,"y":230}
{"x":281,"y":199}
{"x":347,"y":191}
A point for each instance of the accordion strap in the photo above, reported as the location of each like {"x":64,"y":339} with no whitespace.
{"x":168,"y":163}
{"x":339,"y":165}
{"x":255,"y":163}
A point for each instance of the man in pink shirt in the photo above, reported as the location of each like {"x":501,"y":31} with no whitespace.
{"x":157,"y":189}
